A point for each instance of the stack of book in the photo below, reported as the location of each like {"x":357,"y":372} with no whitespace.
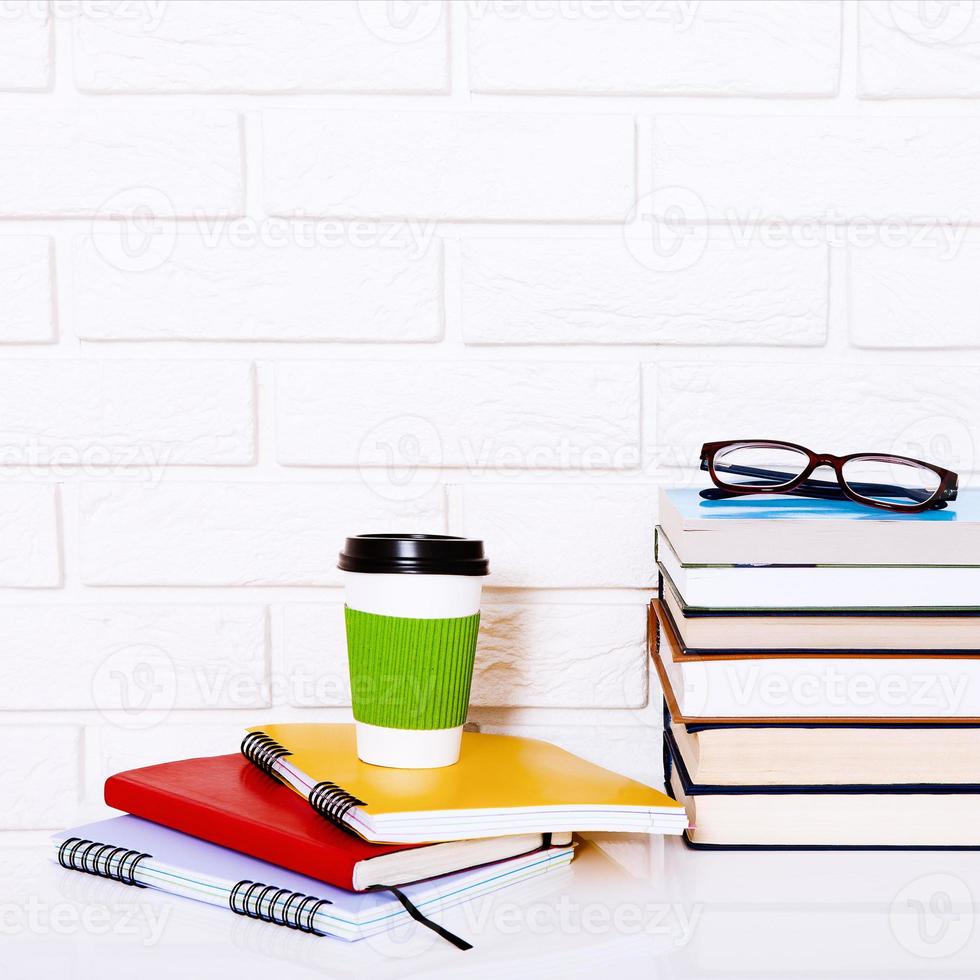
{"x":820,"y":663}
{"x":295,"y":830}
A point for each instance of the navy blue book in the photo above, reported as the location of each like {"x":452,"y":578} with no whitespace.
{"x":868,"y":816}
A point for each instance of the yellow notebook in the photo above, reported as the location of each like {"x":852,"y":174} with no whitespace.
{"x":502,"y":784}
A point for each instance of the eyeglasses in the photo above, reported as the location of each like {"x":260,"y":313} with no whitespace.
{"x":873,"y":479}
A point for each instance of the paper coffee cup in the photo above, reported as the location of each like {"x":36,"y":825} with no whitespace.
{"x":413,"y":613}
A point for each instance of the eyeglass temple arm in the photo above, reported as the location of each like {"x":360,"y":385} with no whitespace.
{"x":831,"y":489}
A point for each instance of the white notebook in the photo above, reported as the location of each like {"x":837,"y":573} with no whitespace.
{"x":819,"y":586}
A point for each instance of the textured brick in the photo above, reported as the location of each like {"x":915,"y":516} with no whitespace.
{"x":26,"y":280}
{"x":107,"y":163}
{"x":924,"y":412}
{"x":448,"y":165}
{"x":908,"y":48}
{"x":176,"y":737}
{"x":280,"y":46}
{"x":563,"y":656}
{"x":142,"y":660}
{"x":547,"y":655}
{"x":40,"y":766}
{"x":488,"y":415}
{"x":745,"y":47}
{"x":128,"y":413}
{"x":816,"y":167}
{"x":29,"y":549}
{"x":914,"y":297}
{"x":552,"y":291}
{"x":198,"y":291}
{"x":233,"y":533}
{"x":315,"y":653}
{"x":590,"y":536}
{"x":25,"y":47}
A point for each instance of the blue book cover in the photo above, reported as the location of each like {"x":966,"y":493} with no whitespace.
{"x":773,"y":507}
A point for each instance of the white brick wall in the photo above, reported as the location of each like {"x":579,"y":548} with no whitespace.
{"x":88,"y":162}
{"x":459,"y":165}
{"x":27,"y":281}
{"x":269,"y":46}
{"x":272,"y":273}
{"x":740,"y":47}
{"x":127,"y":412}
{"x":198,"y":291}
{"x":25,"y":47}
{"x":908,"y":51}
{"x":513,"y":414}
{"x":593,"y":291}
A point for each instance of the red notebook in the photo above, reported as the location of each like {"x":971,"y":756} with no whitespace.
{"x":226,"y":800}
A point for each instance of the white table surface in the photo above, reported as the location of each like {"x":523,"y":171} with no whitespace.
{"x":679,"y":914}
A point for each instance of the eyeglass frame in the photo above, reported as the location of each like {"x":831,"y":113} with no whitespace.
{"x":945,"y":492}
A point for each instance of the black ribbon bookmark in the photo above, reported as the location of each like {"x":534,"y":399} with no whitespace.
{"x":420,"y":918}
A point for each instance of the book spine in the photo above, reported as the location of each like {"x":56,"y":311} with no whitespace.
{"x":103,"y":860}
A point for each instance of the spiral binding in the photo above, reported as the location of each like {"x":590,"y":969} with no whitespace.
{"x":333,"y":802}
{"x":263,"y":751}
{"x":328,"y":799}
{"x":258,"y":901}
{"x":95,"y":858}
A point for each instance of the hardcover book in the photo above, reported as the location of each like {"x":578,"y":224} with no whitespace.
{"x":785,"y":530}
{"x":817,"y":817}
{"x":707,"y":631}
{"x":744,"y":586}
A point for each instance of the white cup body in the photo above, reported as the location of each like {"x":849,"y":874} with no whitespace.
{"x":407,"y":748}
{"x":414,"y":596}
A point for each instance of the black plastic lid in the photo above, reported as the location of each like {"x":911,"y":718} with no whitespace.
{"x":413,"y":554}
